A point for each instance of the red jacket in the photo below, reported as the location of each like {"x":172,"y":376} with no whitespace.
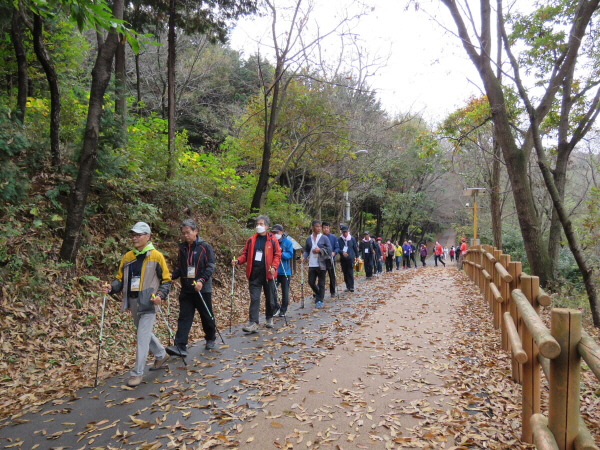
{"x":439,"y":250}
{"x":463,"y":248}
{"x":272,"y":255}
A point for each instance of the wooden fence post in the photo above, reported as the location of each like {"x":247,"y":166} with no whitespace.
{"x":514,"y":268}
{"x":563,"y":407}
{"x":531,"y":369}
{"x":504,"y":306}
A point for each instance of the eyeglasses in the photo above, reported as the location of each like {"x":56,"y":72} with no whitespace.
{"x":137,"y":235}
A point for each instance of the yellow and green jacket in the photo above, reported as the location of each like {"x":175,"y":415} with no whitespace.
{"x":155,"y":279}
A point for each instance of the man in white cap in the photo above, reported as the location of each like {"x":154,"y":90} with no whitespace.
{"x":145,"y":281}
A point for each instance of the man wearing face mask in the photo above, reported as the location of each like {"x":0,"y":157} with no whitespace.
{"x":263,"y":255}
{"x":284,"y":272}
{"x":317,"y":251}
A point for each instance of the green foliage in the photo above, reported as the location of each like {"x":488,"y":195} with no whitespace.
{"x":13,"y":185}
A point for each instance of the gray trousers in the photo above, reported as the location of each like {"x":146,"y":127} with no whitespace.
{"x":256,"y":286}
{"x":145,"y":339}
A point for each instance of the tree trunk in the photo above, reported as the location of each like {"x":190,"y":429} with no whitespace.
{"x":78,"y":197}
{"x":516,"y":159}
{"x":137,"y":84}
{"x":52,"y":77}
{"x":171,"y":87}
{"x":586,"y":271}
{"x":495,"y":201}
{"x":560,"y":178}
{"x":120,"y":94}
{"x":16,"y":35}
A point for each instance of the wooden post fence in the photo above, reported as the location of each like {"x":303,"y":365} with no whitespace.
{"x":514,"y":299}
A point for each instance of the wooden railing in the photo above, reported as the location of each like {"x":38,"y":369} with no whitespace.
{"x":514,"y":298}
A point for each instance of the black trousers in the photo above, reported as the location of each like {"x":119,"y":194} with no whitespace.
{"x":315,"y":273}
{"x":405,"y":261}
{"x":348,"y":271}
{"x":188,"y":304}
{"x":389,"y":263}
{"x":423,"y":258}
{"x":284,"y":282}
{"x":413,"y":259}
{"x":369,"y":265}
{"x":332,"y":281}
{"x":437,"y":258}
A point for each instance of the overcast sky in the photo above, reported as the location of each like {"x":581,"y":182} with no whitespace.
{"x":427,"y":69}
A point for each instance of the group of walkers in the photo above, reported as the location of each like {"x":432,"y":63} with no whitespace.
{"x":144,"y":280}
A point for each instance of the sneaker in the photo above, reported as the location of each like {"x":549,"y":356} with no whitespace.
{"x":269,"y":323}
{"x":134,"y":381}
{"x":250,"y":327}
{"x":160,"y":363}
{"x":351,"y":290}
{"x":210,"y":344}
{"x":319,"y":304}
{"x":281,"y":314}
{"x":174,"y":350}
{"x":276,"y":311}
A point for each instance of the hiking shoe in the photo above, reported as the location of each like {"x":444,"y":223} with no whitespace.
{"x":174,"y":350}
{"x":250,"y":327}
{"x":319,"y":304}
{"x":160,"y":363}
{"x":276,"y":311}
{"x":269,"y":323}
{"x":210,"y":344}
{"x":134,"y":381}
{"x":281,"y":314}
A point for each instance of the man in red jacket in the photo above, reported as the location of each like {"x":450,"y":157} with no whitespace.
{"x":263,"y":254}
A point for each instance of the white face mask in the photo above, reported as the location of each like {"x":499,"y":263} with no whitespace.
{"x":260,"y":229}
{"x":278,"y":236}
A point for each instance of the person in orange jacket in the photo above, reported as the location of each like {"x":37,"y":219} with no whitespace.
{"x":262,"y":255}
{"x":438,"y":252}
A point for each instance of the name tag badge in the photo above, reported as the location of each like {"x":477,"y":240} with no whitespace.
{"x":135,"y":284}
{"x":366,"y":250}
{"x":191,"y":273}
{"x":345,"y":249}
{"x":258,"y":256}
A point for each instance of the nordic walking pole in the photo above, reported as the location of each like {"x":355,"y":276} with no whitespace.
{"x":302,"y":281}
{"x":170,"y":332}
{"x":210,"y":314}
{"x":337,"y":292}
{"x":100,"y":340}
{"x":231,"y":309}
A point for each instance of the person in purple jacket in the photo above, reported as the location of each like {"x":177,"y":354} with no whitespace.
{"x":423,"y":253}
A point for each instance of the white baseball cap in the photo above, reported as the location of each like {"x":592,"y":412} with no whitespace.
{"x":141,"y":228}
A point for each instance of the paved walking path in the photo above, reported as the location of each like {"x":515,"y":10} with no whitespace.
{"x":365,"y":371}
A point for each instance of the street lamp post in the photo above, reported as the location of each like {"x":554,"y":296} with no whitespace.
{"x":346,"y":195}
{"x":473,"y":192}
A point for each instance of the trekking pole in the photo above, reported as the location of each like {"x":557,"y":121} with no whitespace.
{"x":210,"y":314}
{"x":302,"y":281}
{"x":337,"y":292}
{"x":158,"y":308}
{"x":100,"y":340}
{"x":231,"y":309}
